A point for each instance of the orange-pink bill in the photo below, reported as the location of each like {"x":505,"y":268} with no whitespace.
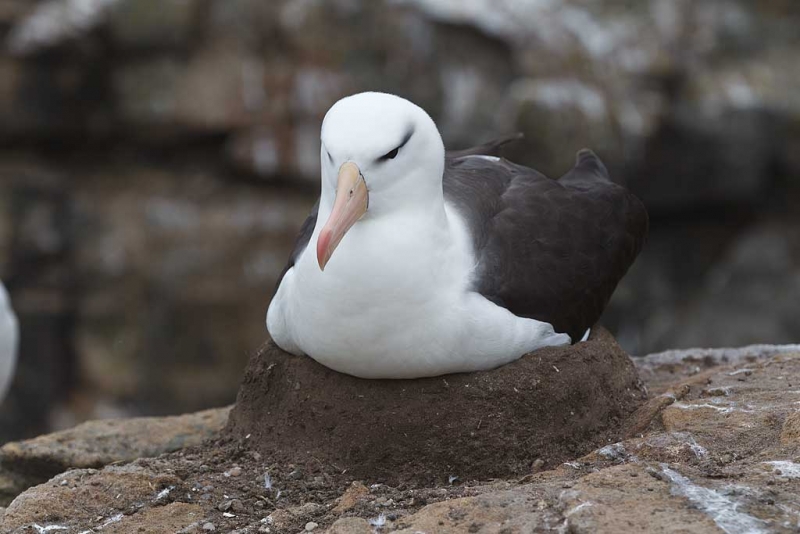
{"x":352,"y":200}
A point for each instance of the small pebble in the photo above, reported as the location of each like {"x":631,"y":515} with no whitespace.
{"x":63,"y":482}
{"x":655,"y":474}
{"x":234,"y":472}
{"x":310,"y":508}
{"x":311,"y":526}
{"x":209,"y":527}
{"x":225,"y":506}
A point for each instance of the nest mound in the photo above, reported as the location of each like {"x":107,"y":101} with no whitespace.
{"x":551,"y":405}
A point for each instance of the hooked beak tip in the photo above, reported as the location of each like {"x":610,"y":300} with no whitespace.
{"x":322,"y":249}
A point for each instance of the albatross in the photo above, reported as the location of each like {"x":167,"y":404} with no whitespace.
{"x":9,"y":335}
{"x":418,"y":262}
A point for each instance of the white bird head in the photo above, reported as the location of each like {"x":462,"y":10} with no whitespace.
{"x":380,"y":153}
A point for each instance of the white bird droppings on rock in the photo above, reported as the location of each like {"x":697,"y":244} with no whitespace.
{"x":163,"y":493}
{"x":785,"y":468}
{"x":378,"y":522}
{"x":49,"y":528}
{"x":721,"y":509}
{"x":111,"y":520}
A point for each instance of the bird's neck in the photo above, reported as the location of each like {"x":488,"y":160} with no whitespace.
{"x":391,"y":243}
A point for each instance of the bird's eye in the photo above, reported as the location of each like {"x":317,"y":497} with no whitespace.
{"x":390,"y":155}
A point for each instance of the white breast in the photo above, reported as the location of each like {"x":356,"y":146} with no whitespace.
{"x":9,"y":335}
{"x":394,"y":302}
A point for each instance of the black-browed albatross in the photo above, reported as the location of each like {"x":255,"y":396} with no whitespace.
{"x":416,"y":262}
{"x":9,"y":334}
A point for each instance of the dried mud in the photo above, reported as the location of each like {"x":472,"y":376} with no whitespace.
{"x":547,"y":407}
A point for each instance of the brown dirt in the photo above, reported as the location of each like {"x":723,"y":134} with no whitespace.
{"x":204,"y":476}
{"x":551,"y":405}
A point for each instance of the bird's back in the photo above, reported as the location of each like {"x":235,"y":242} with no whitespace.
{"x":551,"y":250}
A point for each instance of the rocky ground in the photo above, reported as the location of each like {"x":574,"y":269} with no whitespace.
{"x":99,"y":443}
{"x":715,"y":449}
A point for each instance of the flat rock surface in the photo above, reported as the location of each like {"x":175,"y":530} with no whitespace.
{"x":99,"y":443}
{"x":715,"y":450}
{"x":550,"y":405}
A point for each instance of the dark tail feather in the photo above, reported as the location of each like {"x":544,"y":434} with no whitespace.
{"x":588,"y":168}
{"x":492,"y":148}
{"x":587,"y":160}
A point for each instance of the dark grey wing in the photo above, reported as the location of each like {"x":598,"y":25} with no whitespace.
{"x":551,"y":250}
{"x":301,"y":242}
{"x":492,"y":148}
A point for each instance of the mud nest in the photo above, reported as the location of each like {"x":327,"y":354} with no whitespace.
{"x":550,"y":405}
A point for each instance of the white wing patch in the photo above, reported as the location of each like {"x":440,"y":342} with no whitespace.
{"x":586,"y":335}
{"x":493,"y":159}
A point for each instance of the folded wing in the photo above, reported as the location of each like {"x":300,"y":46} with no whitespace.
{"x":551,"y":250}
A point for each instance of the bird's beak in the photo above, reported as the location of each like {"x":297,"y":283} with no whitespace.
{"x":352,"y":200}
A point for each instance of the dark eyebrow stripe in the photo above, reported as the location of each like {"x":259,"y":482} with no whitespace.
{"x":406,"y":138}
{"x":393,"y":152}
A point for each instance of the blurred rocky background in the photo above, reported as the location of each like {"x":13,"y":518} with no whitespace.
{"x":158,"y":156}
